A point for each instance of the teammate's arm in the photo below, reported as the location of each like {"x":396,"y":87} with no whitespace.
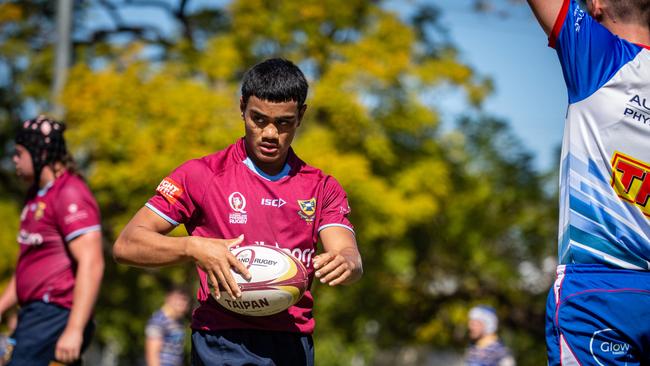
{"x":87,"y":252}
{"x":340,"y":264}
{"x":546,"y":12}
{"x":152,"y":348}
{"x":8,"y":298}
{"x":143,"y":243}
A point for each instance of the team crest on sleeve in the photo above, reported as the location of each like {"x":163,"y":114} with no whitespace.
{"x":169,"y":189}
{"x":307,"y":209}
{"x":631,"y":181}
{"x":237,"y":203}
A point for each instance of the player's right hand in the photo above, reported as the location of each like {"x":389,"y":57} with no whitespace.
{"x":213,"y":256}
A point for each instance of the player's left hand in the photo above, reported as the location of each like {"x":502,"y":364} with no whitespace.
{"x":68,"y":347}
{"x":333,"y":269}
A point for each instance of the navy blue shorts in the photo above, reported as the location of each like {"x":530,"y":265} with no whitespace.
{"x":239,"y":347}
{"x":39,"y":327}
{"x":596,"y":315}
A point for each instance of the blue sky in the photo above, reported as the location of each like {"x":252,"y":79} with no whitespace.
{"x":530,"y":91}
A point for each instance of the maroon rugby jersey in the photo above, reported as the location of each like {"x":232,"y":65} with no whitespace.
{"x":58,"y":214}
{"x":224,"y":195}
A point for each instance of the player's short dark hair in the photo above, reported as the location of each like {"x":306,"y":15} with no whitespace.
{"x":275,"y":80}
{"x":175,"y":288}
{"x":633,"y":11}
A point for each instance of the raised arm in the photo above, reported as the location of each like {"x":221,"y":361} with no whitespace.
{"x":341,"y":263}
{"x":546,"y":12}
{"x":143,"y":242}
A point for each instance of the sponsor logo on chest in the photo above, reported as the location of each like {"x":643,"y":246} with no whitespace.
{"x":637,"y":109}
{"x":273,"y":202}
{"x":304,"y":254}
{"x":27,"y":238}
{"x":631,"y":181}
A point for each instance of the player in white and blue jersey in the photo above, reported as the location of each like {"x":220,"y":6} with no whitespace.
{"x":598,"y":311}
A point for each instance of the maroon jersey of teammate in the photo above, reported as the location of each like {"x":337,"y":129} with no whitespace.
{"x":224,"y":195}
{"x":50,"y":219}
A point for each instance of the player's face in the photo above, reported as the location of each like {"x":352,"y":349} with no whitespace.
{"x":270,"y":128}
{"x":178,"y":303}
{"x":476,"y":329}
{"x":23,"y":162}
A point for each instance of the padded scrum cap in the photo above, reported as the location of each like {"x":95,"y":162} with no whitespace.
{"x":43,"y":138}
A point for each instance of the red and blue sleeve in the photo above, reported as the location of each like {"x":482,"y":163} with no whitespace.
{"x":590,"y":55}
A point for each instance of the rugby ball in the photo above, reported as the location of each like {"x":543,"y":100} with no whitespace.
{"x":278,"y":280}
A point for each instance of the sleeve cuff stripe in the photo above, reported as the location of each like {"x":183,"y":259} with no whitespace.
{"x":159,"y":213}
{"x":339,"y":225}
{"x":79,"y":232}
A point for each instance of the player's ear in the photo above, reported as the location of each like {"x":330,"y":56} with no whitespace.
{"x":595,"y":9}
{"x":242,"y":106}
{"x":301,"y":113}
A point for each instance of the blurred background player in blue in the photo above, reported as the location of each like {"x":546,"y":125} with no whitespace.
{"x":486,"y":348}
{"x":165,"y":331}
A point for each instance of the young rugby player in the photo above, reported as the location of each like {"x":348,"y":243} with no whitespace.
{"x":256,"y":191}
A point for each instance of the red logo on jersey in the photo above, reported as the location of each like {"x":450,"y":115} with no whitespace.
{"x":631,"y":181}
{"x":170,"y":190}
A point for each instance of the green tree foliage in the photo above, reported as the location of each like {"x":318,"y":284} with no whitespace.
{"x":444,"y":218}
{"x":25,"y":58}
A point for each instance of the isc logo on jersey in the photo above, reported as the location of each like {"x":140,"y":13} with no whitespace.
{"x":631,"y":181}
{"x":278,"y":202}
{"x":170,"y":190}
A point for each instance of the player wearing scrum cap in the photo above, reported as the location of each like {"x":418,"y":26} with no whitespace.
{"x":255,"y":191}
{"x":597,"y":311}
{"x":60,"y":265}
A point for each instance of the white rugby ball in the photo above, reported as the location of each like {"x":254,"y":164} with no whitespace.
{"x":278,"y":280}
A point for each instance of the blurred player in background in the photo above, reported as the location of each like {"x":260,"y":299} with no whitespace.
{"x":598,"y":312}
{"x":486,"y":348}
{"x":165,"y":331}
{"x":256,"y":191}
{"x":60,"y":265}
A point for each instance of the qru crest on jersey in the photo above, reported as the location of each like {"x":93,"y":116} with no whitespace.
{"x":237,"y":203}
{"x":307,"y":209}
